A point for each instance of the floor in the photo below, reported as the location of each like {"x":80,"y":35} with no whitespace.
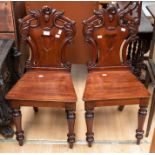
{"x":46,"y":130}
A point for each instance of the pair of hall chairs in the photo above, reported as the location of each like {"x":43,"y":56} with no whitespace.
{"x":47,"y":81}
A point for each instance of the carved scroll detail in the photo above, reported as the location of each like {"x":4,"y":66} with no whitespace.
{"x":47,"y":19}
{"x":110,"y":19}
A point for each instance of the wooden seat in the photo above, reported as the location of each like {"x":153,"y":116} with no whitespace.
{"x":114,"y":84}
{"x":47,"y":81}
{"x":44,"y":86}
{"x":111,"y":80}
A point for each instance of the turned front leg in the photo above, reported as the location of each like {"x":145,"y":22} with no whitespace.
{"x":17,"y":121}
{"x":89,"y":116}
{"x":71,"y":122}
{"x":141,"y":118}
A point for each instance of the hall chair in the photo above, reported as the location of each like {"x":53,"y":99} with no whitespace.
{"x":47,"y":81}
{"x":111,"y":80}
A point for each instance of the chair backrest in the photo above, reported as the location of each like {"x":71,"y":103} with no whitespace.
{"x":47,"y":32}
{"x":110,"y":31}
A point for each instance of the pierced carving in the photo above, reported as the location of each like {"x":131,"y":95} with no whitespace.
{"x":44,"y":27}
{"x":112,"y":24}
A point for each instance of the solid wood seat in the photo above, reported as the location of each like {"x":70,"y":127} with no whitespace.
{"x":47,"y":81}
{"x":44,"y":86}
{"x":113,"y":84}
{"x":110,"y":32}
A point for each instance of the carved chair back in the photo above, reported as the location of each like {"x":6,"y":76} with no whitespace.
{"x":47,"y":32}
{"x":110,"y":31}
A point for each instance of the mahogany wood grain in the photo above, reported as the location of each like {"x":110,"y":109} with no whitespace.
{"x":44,"y":86}
{"x":111,"y":85}
{"x":47,"y":81}
{"x":78,"y":52}
{"x":47,"y":32}
{"x":110,"y":79}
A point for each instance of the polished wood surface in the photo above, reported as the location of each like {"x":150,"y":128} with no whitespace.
{"x":7,"y":80}
{"x":152,"y":148}
{"x":110,"y":85}
{"x":110,"y":79}
{"x":78,"y":52}
{"x":112,"y":133}
{"x":47,"y":32}
{"x":108,"y":37}
{"x":44,"y":86}
{"x":47,"y":81}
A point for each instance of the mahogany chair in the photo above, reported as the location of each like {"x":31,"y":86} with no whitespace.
{"x":110,"y":78}
{"x":47,"y":81}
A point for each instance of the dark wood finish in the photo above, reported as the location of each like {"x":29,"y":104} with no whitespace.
{"x":81,"y":10}
{"x":9,"y":29}
{"x":110,"y":79}
{"x":7,"y":80}
{"x":124,"y":87}
{"x":150,"y":68}
{"x":44,"y":86}
{"x":71,"y":122}
{"x":47,"y":81}
{"x":17,"y":120}
{"x":89,"y":116}
{"x":9,"y":57}
{"x":136,"y":50}
{"x":152,"y":148}
{"x":76,"y":10}
{"x":141,"y":118}
{"x":50,"y":32}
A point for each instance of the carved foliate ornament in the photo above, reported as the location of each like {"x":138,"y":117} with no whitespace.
{"x":47,"y":31}
{"x":108,"y":31}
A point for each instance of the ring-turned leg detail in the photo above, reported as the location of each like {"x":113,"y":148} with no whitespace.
{"x":141,"y":118}
{"x":71,"y":122}
{"x":17,"y":120}
{"x":89,"y":115}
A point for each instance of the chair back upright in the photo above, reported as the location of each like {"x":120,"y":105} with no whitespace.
{"x":47,"y":32}
{"x":110,"y":31}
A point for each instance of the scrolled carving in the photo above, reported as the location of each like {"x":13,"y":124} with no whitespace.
{"x":111,"y":22}
{"x":49,"y":25}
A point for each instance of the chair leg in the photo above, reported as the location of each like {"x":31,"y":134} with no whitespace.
{"x":17,"y":121}
{"x":151,"y":114}
{"x":71,"y":122}
{"x":147,"y":79}
{"x":121,"y":107}
{"x":89,"y":116}
{"x":35,"y":109}
{"x":141,"y":118}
